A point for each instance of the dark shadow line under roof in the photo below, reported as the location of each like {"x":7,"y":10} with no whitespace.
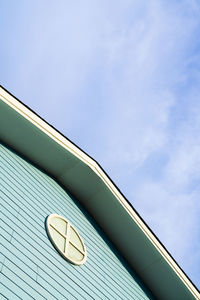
{"x":109,"y":179}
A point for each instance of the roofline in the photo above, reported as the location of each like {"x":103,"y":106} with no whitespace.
{"x":71,"y":147}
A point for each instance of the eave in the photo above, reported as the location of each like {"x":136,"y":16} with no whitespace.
{"x":29,"y":135}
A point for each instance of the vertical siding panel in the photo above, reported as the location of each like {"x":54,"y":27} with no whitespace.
{"x":33,"y":268}
{"x":11,"y":288}
{"x":6,"y":293}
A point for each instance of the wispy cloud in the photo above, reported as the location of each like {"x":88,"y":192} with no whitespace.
{"x":153,"y":77}
{"x":122,"y":81}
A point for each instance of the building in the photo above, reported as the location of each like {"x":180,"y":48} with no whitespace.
{"x":117,"y":257}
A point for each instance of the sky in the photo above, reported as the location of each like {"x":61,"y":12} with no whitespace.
{"x":121,"y":79}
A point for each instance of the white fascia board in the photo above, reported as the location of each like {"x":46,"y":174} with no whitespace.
{"x":74,"y":150}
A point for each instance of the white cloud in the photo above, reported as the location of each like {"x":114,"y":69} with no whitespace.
{"x":148,"y":73}
{"x":172,"y":215}
{"x":183,"y":168}
{"x":122,"y":80}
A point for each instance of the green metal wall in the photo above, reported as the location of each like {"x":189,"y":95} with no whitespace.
{"x":30,"y":266}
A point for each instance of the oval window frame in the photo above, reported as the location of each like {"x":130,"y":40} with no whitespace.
{"x":63,"y":253}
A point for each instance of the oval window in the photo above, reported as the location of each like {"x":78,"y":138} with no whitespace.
{"x":66,"y":239}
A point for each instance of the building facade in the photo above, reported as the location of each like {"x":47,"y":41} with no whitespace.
{"x":110,"y":253}
{"x":32,"y":268}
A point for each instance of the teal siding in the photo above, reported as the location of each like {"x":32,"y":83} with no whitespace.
{"x":30,"y":266}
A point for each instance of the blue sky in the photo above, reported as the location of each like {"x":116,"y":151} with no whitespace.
{"x":121,"y":79}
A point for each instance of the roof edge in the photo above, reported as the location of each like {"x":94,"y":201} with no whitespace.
{"x":42,"y":125}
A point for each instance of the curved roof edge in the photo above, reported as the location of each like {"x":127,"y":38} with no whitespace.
{"x":29,"y":135}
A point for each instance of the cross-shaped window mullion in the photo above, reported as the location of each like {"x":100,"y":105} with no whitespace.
{"x":63,"y":235}
{"x":80,"y":250}
{"x":67,"y":239}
